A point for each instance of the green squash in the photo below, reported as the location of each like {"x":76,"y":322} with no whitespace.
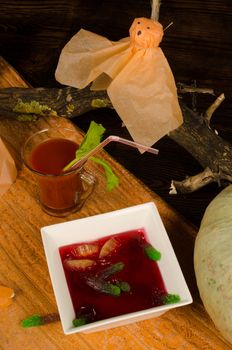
{"x":213,"y":261}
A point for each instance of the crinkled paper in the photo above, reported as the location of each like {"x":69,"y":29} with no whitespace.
{"x":135,"y":73}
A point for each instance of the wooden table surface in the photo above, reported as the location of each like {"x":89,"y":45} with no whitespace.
{"x":23,"y":265}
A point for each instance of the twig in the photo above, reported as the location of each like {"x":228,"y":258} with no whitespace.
{"x":194,"y":97}
{"x":169,"y":25}
{"x":182,"y":89}
{"x":155,"y":7}
{"x":209,"y":112}
{"x":193,"y":183}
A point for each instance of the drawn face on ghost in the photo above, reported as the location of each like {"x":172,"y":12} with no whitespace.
{"x":146,"y":33}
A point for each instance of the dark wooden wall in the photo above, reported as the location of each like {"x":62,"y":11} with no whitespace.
{"x":198,"y":47}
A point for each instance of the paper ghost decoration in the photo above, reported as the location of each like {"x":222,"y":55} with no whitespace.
{"x":135,"y":73}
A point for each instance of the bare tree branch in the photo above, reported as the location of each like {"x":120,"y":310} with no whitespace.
{"x":193,"y":183}
{"x":208,"y":148}
{"x":155,"y":7}
{"x":209,"y":112}
{"x":183,"y":88}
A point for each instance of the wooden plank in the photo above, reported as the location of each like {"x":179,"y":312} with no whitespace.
{"x":23,"y":265}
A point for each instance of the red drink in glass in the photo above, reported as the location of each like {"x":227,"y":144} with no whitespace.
{"x":46,"y":154}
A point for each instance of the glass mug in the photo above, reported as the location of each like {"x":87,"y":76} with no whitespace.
{"x":45,"y":154}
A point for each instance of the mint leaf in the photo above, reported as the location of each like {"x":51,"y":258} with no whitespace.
{"x":111,"y":179}
{"x":90,"y":141}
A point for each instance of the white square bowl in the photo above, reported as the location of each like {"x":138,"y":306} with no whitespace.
{"x":144,"y":216}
